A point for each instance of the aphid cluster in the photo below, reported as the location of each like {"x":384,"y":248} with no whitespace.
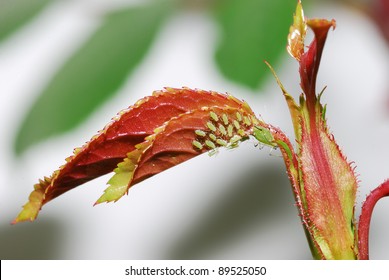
{"x":224,"y":130}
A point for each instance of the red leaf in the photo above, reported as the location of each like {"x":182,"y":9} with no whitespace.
{"x":175,"y":143}
{"x":180,"y":139}
{"x":149,"y":137}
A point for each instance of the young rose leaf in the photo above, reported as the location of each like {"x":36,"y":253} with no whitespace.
{"x":178,"y":140}
{"x":323,"y":180}
{"x":124,"y":174}
{"x":328,"y":179}
{"x":297,"y":33}
{"x":158,"y":132}
{"x":94,"y":73}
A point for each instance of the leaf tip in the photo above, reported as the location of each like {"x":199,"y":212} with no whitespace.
{"x":111,"y":195}
{"x":297,"y":33}
{"x":31,"y":208}
{"x":35,"y":201}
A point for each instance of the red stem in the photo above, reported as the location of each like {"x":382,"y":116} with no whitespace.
{"x":364,"y":220}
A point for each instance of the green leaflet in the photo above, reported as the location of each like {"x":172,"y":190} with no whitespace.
{"x":94,"y":73}
{"x":252,"y":31}
{"x":15,"y":13}
{"x":33,"y":206}
{"x":124,"y":173}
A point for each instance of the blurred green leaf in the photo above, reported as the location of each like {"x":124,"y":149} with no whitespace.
{"x":94,"y":73}
{"x":251,"y":31}
{"x":15,"y":13}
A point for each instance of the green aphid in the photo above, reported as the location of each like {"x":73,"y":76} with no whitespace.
{"x":214,"y":116}
{"x":210,"y":144}
{"x":236,"y":124}
{"x":225,"y":119}
{"x":264,"y":136}
{"x":246,"y":121}
{"x":200,"y":133}
{"x":211,"y":126}
{"x":230,"y":130}
{"x":241,"y":132}
{"x":238,"y":116}
{"x":222,"y":129}
{"x":221,"y":142}
{"x":235,"y":139}
{"x":212,"y":137}
{"x":197,"y":145}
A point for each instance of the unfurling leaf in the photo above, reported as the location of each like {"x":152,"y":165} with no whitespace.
{"x":323,"y":180}
{"x":158,"y":132}
{"x":297,"y":33}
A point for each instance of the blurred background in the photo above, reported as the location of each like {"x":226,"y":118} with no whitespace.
{"x":68,"y":66}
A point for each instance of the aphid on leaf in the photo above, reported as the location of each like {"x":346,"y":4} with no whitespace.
{"x":225,"y":119}
{"x":235,"y":139}
{"x":241,"y":132}
{"x":211,"y":126}
{"x":236,"y":124}
{"x":246,"y":121}
{"x":210,"y":144}
{"x":221,"y":142}
{"x":222,"y":130}
{"x":264,"y":136}
{"x":214,"y":116}
{"x":197,"y":145}
{"x":238,"y":116}
{"x":230,"y":130}
{"x":200,"y":133}
{"x":212,"y":137}
{"x":140,"y":142}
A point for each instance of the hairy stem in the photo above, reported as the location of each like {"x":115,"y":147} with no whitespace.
{"x":364,"y":220}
